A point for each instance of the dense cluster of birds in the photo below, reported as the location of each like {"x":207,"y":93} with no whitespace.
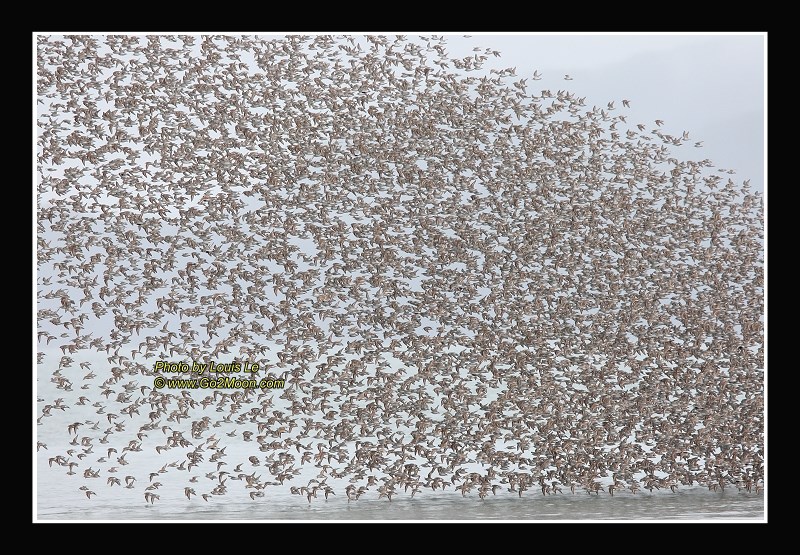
{"x":467,"y":284}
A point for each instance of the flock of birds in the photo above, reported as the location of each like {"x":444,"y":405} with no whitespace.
{"x":467,"y":284}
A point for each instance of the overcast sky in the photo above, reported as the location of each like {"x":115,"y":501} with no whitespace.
{"x":709,"y":85}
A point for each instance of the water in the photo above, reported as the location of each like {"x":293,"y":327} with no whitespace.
{"x":694,"y":504}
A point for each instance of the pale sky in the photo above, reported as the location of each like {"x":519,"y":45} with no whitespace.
{"x":709,"y":85}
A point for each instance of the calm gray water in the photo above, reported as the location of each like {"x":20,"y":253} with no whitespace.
{"x":691,"y":505}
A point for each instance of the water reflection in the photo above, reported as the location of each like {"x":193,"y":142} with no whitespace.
{"x":693,"y":505}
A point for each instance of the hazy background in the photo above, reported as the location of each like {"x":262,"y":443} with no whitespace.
{"x":709,"y":85}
